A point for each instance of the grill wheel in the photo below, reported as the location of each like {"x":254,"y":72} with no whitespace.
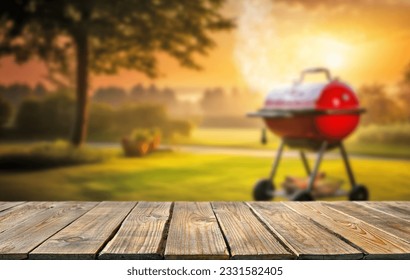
{"x":263,"y":190}
{"x":359,"y":193}
{"x":303,"y":195}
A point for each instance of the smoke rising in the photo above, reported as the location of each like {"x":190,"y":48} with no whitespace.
{"x":269,"y":53}
{"x":275,"y":39}
{"x":255,"y":41}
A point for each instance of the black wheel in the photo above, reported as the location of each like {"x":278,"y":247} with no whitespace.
{"x":263,"y":190}
{"x":303,"y":196}
{"x":359,"y":193}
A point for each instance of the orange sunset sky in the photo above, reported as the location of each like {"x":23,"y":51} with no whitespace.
{"x":362,"y":42}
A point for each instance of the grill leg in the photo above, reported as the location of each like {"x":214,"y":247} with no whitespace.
{"x":305,"y":162}
{"x":347,"y":165}
{"x":316,"y":167}
{"x":276,"y":161}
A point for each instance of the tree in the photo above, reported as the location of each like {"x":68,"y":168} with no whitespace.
{"x":15,"y":93}
{"x":137,"y":92}
{"x":106,"y":36}
{"x":40,"y":90}
{"x":114,"y":96}
{"x":404,"y":92}
{"x":381,"y":108}
{"x":215,"y":101}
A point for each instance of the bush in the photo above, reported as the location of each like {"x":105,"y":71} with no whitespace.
{"x":141,"y":116}
{"x":140,"y":135}
{"x":150,"y":117}
{"x":5,"y":112}
{"x":52,"y":117}
{"x":101,"y":119}
{"x":141,"y":142}
{"x":138,"y":143}
{"x":49,"y":155}
{"x":58,"y":114}
{"x":394,"y":134}
{"x":29,"y":117}
{"x":177,"y":127}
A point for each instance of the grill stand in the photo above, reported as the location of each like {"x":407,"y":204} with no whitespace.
{"x":347,"y":165}
{"x":317,"y":165}
{"x":265,"y":188}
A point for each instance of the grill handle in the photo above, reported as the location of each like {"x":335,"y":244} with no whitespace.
{"x":314,"y":71}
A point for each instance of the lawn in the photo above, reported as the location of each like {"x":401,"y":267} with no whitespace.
{"x":250,"y":138}
{"x":168,"y":176}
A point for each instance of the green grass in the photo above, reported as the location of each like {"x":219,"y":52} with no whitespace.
{"x":250,"y":138}
{"x":228,"y":137}
{"x":168,"y":176}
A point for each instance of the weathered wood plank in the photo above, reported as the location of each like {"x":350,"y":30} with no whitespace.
{"x":14,"y":216}
{"x":247,"y":237}
{"x":376,"y":243}
{"x":194,"y":233}
{"x":87,"y":235}
{"x":141,"y":235}
{"x":398,"y":209}
{"x":29,"y":231}
{"x":397,"y":227}
{"x":306,"y":239}
{"x":9,"y":204}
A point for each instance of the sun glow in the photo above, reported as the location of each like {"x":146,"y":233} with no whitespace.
{"x":334,"y":60}
{"x":269,"y":53}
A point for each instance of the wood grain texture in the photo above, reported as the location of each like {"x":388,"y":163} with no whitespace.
{"x":141,"y":235}
{"x":247,"y":237}
{"x":27,"y":232}
{"x":397,"y":227}
{"x":18,"y":214}
{"x":9,"y":204}
{"x":204,"y":230}
{"x":87,"y":235}
{"x":376,"y":243}
{"x":397,"y":209}
{"x":302,"y":236}
{"x":194,"y":233}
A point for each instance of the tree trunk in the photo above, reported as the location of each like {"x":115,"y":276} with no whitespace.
{"x":79,"y":133}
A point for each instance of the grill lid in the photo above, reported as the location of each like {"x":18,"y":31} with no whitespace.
{"x":299,"y":96}
{"x":332,"y":97}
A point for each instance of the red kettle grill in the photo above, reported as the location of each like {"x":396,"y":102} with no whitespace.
{"x":311,"y":116}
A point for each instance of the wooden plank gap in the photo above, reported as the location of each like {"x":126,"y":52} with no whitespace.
{"x":85,"y":237}
{"x":228,"y":247}
{"x":377,"y":243}
{"x":166,"y":231}
{"x":247,"y":236}
{"x":329,"y":230}
{"x":194,"y":233}
{"x":274,"y":233}
{"x":303,"y":237}
{"x":21,"y":238}
{"x":113,"y":233}
{"x":9,"y":204}
{"x":397,"y":229}
{"x":388,"y":208}
{"x":142,"y":233}
{"x":34,"y":248}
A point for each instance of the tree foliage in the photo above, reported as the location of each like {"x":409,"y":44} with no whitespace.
{"x":381,"y":108}
{"x":107,"y":35}
{"x":111,"y":95}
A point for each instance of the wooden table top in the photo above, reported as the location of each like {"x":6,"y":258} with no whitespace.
{"x":204,"y":230}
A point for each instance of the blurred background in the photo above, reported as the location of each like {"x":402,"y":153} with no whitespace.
{"x":147,"y":100}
